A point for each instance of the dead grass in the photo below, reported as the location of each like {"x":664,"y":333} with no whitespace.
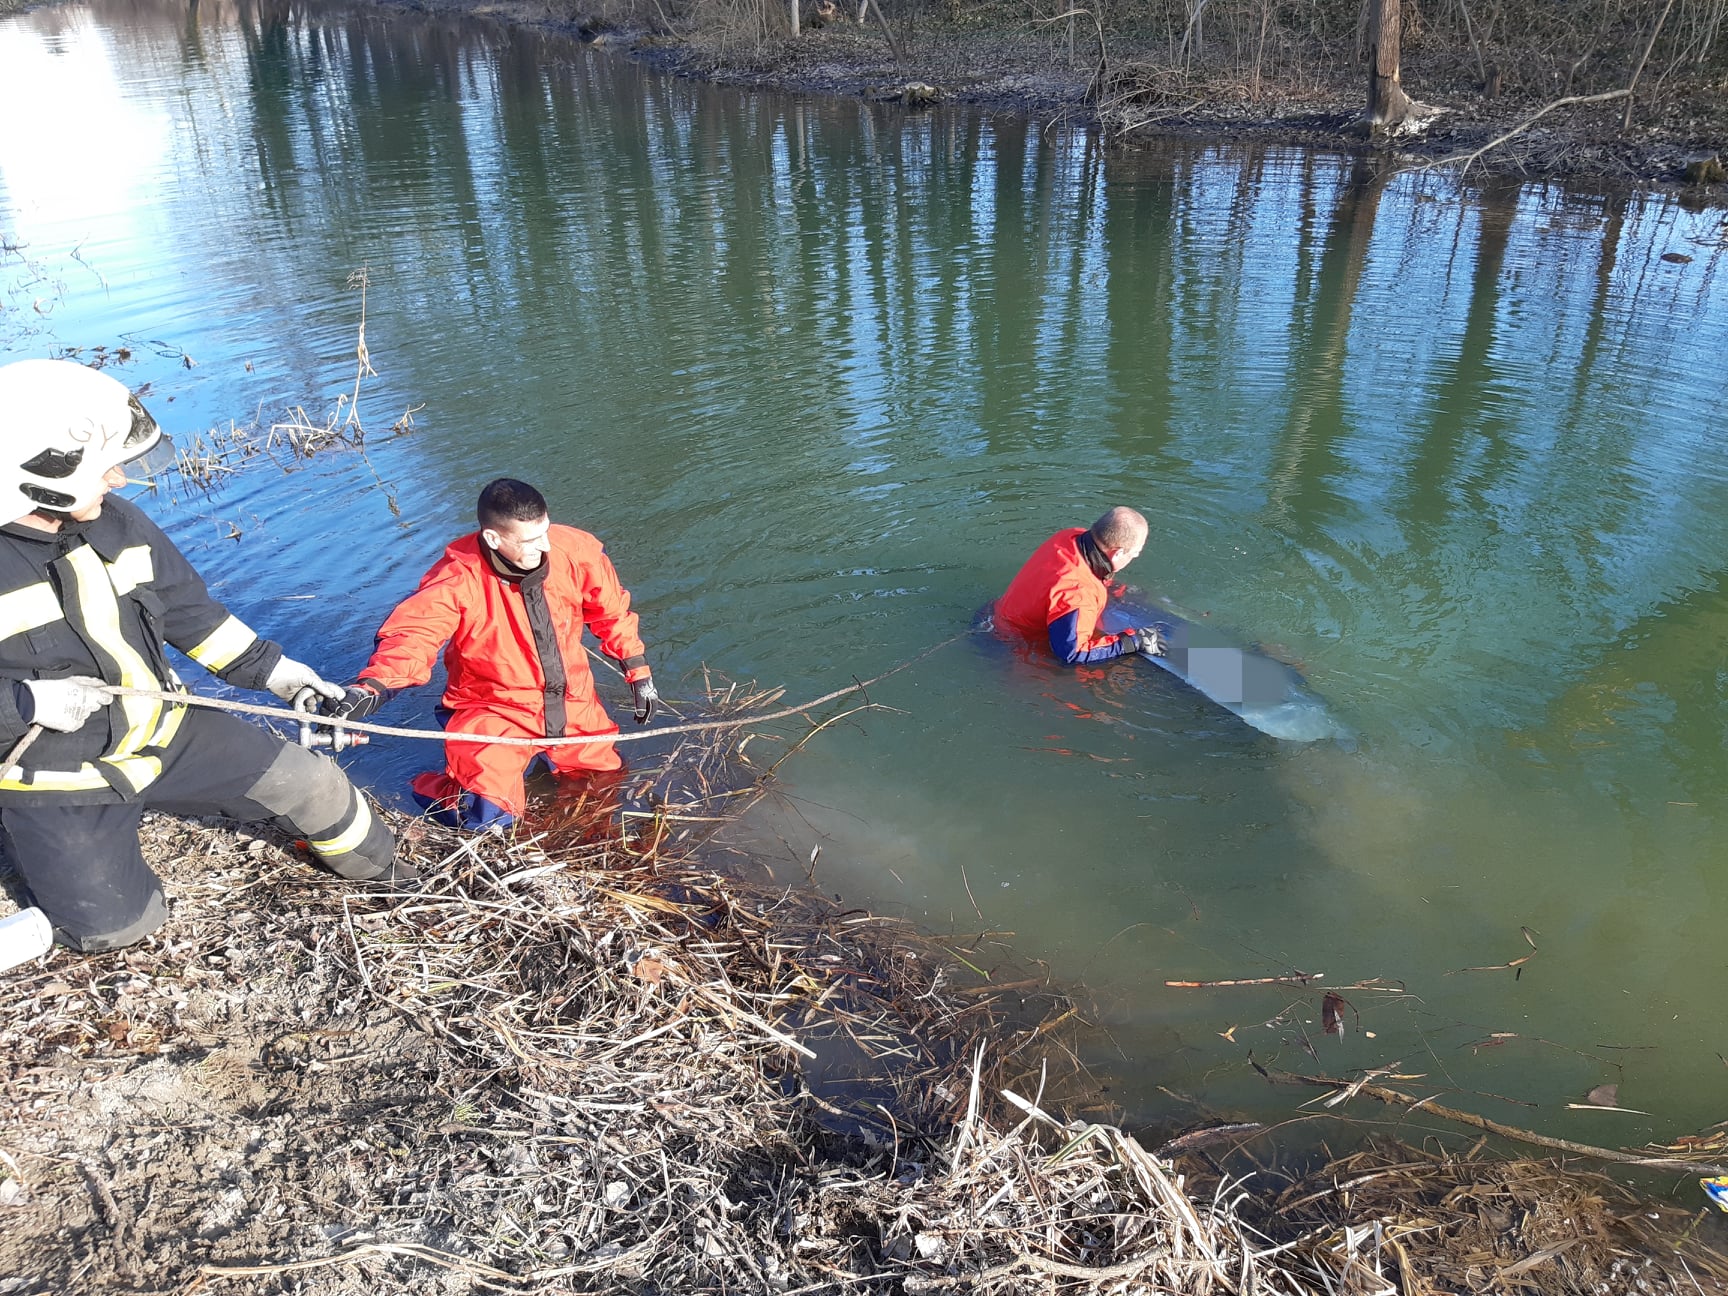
{"x":580,"y":1061}
{"x":1399,"y":1219}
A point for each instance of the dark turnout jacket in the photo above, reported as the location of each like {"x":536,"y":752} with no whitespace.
{"x":101,"y":599}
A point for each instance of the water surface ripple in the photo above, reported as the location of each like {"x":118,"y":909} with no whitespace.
{"x":822,"y":373}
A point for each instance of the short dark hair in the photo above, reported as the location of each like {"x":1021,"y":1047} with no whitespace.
{"x":1119,"y":528}
{"x":509,"y":500}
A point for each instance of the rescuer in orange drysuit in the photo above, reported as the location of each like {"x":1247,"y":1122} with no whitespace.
{"x":511,"y":601}
{"x":1058,"y":595}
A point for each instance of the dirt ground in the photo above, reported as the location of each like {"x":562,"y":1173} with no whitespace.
{"x":589,"y":1058}
{"x":254,"y":1100}
{"x":556,"y":1073}
{"x":188,"y":1101}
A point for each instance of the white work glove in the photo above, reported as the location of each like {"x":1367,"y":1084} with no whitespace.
{"x":287,"y":677}
{"x":65,"y":704}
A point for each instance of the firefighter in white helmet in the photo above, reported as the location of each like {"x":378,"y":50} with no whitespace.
{"x":90,"y":591}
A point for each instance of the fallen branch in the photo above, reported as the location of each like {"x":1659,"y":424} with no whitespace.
{"x":893,"y":45}
{"x":1521,"y":127}
{"x":1495,"y":967}
{"x":1211,"y":1134}
{"x":1293,"y":978}
{"x":365,"y":1252}
{"x":1053,"y":1268}
{"x":1396,"y":1098}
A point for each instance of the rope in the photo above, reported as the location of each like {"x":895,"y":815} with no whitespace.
{"x":9,"y":764}
{"x":457,"y":735}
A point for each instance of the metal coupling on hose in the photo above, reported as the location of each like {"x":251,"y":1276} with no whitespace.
{"x":317,"y":730}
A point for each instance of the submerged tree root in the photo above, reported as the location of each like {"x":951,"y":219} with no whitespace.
{"x":580,"y":1066}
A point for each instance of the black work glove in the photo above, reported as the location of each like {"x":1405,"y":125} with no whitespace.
{"x":646,"y":696}
{"x":359,"y":700}
{"x":1148,"y":641}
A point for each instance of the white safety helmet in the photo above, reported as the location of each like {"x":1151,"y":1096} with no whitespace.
{"x":62,"y":427}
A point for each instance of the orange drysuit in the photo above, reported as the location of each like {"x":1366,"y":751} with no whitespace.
{"x":1057,"y":598}
{"x":516,"y":666}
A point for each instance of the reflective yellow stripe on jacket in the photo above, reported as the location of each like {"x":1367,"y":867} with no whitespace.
{"x":134,"y":567}
{"x":140,"y":725}
{"x":148,"y":722}
{"x":21,"y":611}
{"x":28,"y":609}
{"x":222,"y":645}
{"x":101,"y":608}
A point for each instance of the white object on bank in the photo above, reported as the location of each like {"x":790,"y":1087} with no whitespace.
{"x":23,"y":936}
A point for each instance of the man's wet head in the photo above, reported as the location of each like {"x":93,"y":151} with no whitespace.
{"x":1120,"y":536}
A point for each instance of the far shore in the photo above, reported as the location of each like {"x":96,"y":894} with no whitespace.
{"x":1675,"y":144}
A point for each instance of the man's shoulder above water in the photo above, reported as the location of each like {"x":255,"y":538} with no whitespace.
{"x":463,"y":546}
{"x":1062,"y":548}
{"x":1067,"y":537}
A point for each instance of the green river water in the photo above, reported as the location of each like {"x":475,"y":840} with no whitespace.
{"x":822,"y":373}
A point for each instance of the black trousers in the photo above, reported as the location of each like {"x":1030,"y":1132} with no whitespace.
{"x":82,"y":863}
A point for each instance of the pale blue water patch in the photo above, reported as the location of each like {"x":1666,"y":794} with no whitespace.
{"x":823,"y":373}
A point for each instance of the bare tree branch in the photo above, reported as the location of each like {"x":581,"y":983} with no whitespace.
{"x":1526,"y":124}
{"x":1626,"y":119}
{"x":1101,"y":75}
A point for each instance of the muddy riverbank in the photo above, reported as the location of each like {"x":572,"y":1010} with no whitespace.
{"x":583,"y":1060}
{"x":579,"y":1071}
{"x":1125,"y":86}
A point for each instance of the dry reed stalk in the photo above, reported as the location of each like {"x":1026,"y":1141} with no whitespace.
{"x":206,"y":460}
{"x":1407,"y":1220}
{"x":563,"y":1067}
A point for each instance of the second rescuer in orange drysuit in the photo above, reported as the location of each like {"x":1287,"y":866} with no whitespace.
{"x":511,"y":602}
{"x":1058,"y":595}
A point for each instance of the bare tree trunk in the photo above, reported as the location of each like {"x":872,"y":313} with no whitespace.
{"x":794,"y":16}
{"x":1388,"y":105}
{"x":1470,"y":31}
{"x":1260,"y":48}
{"x":893,"y":45}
